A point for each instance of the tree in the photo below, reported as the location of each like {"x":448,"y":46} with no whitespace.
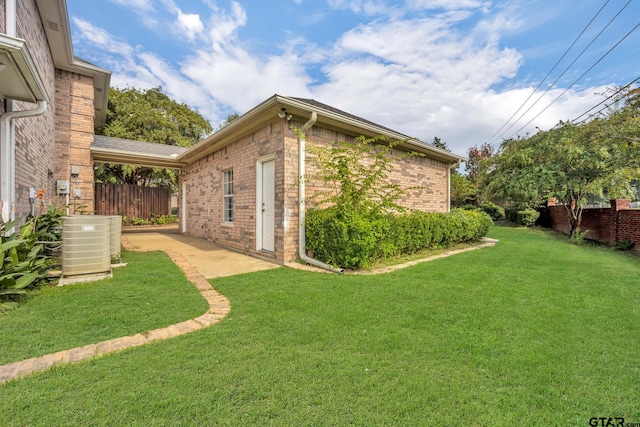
{"x":150,"y":116}
{"x":438,"y":143}
{"x":570,"y":163}
{"x":228,"y":120}
{"x":463,"y":191}
{"x":475,"y":155}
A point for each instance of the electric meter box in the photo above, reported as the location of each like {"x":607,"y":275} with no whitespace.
{"x":62,"y":186}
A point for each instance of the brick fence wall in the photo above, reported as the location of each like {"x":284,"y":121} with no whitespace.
{"x":607,"y":225}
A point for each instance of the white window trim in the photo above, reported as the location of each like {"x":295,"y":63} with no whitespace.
{"x":226,"y":197}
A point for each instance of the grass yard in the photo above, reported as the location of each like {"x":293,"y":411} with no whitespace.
{"x":151,"y":292}
{"x":534,"y":331}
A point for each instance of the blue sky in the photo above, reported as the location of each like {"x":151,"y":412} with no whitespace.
{"x":455,"y":69}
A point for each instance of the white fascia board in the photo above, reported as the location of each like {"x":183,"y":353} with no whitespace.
{"x":55,"y":20}
{"x":268,"y":111}
{"x":19,"y":76}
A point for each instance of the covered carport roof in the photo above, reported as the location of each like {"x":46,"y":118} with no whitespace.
{"x":106,"y":149}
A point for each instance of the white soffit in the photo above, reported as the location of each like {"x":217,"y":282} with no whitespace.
{"x":55,"y":20}
{"x":19,"y":77}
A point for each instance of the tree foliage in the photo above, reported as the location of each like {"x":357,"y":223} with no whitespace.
{"x":230,"y":117}
{"x":150,"y":116}
{"x":570,"y":162}
{"x":475,"y":156}
{"x":463,"y":191}
{"x":439,"y":143}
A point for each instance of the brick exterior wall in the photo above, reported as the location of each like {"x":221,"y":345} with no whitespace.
{"x":610,"y":226}
{"x":203,"y":181}
{"x":407,"y":172}
{"x":48,"y":144}
{"x":74,"y":135}
{"x":2,"y":16}
{"x":34,"y":135}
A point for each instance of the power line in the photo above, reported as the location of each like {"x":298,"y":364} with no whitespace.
{"x":578,"y":79}
{"x":549,"y":73}
{"x":564,"y":72}
{"x":602,"y":102}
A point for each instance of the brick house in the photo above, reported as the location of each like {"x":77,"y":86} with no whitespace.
{"x":238,"y":187}
{"x":50,"y":103}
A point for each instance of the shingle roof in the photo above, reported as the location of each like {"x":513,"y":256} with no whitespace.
{"x":128,"y":145}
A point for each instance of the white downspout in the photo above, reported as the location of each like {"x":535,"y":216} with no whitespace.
{"x":8,"y":158}
{"x":10,"y":18}
{"x":7,"y":134}
{"x":302,"y":210}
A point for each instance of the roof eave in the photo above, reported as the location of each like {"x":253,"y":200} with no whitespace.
{"x":110,"y":155}
{"x":246,"y":123}
{"x":55,"y":19}
{"x":358,"y":127}
{"x":18,"y":72}
{"x":268,"y":110}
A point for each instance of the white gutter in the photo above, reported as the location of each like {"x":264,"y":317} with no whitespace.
{"x":10,"y":18}
{"x":7,"y":134}
{"x":8,"y":157}
{"x":302,"y":210}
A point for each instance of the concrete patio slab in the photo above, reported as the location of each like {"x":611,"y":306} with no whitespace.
{"x":209,"y":259}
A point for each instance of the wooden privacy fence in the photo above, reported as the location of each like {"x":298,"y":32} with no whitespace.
{"x":131,"y":201}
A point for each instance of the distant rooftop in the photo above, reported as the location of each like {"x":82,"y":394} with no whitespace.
{"x":126,"y":151}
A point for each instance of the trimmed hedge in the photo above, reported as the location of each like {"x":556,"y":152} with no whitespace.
{"x":355,"y":241}
{"x":525,"y":217}
{"x":495,"y":212}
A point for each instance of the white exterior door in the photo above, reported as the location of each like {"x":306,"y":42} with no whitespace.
{"x":267,"y":205}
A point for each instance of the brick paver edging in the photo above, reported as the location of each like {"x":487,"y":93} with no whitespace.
{"x":219,"y":307}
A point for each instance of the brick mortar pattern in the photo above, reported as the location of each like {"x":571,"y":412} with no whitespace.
{"x":203,"y":181}
{"x":601,"y":223}
{"x":48,"y":144}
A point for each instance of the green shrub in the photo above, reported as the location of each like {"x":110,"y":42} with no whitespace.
{"x":527,"y":217}
{"x":22,"y":263}
{"x":356,"y":241}
{"x":494,"y":211}
{"x":625,"y":245}
{"x":578,"y":236}
{"x":155,"y":220}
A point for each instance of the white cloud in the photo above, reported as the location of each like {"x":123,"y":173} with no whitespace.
{"x":136,"y":4}
{"x":422,"y":75}
{"x":190,"y":24}
{"x":368,"y":7}
{"x":101,"y":38}
{"x":239,"y":80}
{"x":446,"y":4}
{"x":143,"y":8}
{"x":223,"y":26}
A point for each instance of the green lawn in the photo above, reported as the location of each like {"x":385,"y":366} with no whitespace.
{"x":151,"y":292}
{"x":534,"y":331}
